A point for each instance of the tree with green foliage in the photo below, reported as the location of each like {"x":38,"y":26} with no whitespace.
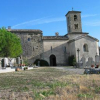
{"x":10,"y":45}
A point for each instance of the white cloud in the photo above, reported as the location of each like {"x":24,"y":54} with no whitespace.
{"x":26,"y":23}
{"x":89,"y":15}
{"x":39,"y":21}
{"x":92,"y":23}
{"x":50,"y":20}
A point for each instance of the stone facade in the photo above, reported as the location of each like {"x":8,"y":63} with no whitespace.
{"x":56,"y":49}
{"x":78,"y":43}
{"x":32,"y":43}
{"x":74,"y":21}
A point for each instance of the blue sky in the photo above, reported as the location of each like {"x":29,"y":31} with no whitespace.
{"x":49,"y":15}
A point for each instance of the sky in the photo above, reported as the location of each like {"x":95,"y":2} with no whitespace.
{"x":49,"y":15}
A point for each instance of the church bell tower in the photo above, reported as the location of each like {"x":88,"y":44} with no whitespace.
{"x":74,"y":22}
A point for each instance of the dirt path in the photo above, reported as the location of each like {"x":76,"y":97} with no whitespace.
{"x":75,"y":70}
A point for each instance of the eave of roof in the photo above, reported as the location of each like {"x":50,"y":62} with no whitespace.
{"x":82,"y":37}
{"x":78,"y":33}
{"x":93,"y":38}
{"x":55,"y":38}
{"x":24,"y":30}
{"x":73,"y":12}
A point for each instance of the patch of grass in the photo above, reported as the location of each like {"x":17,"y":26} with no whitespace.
{"x":22,"y":89}
{"x":8,"y":82}
{"x":74,"y":84}
{"x":56,"y":84}
{"x":85,"y":95}
{"x":47,"y":93}
{"x":43,"y":83}
{"x":97,"y":89}
{"x":38,"y":84}
{"x":43,"y":94}
{"x":50,"y":91}
{"x":93,"y":81}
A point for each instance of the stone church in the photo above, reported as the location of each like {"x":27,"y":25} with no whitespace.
{"x":56,"y":49}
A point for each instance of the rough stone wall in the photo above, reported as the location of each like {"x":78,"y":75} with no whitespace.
{"x":92,"y":48}
{"x":58,"y":49}
{"x":35,"y":47}
{"x":71,"y":22}
{"x":72,"y":48}
{"x":32,"y":45}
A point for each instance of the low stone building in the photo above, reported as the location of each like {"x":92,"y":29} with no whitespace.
{"x":31,"y":41}
{"x":56,"y":49}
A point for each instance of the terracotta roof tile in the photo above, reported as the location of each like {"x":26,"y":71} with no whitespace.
{"x":55,"y":37}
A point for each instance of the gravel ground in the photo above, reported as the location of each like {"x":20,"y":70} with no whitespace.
{"x":75,"y":70}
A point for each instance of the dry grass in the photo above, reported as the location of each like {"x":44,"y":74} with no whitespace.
{"x":81,"y":87}
{"x":49,"y":84}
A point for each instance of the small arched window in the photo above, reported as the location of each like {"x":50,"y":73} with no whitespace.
{"x":29,"y":39}
{"x":75,"y":17}
{"x":85,"y":48}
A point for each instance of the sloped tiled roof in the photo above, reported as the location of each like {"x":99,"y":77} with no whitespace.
{"x":73,"y":12}
{"x":24,"y":30}
{"x":80,"y":37}
{"x":55,"y":38}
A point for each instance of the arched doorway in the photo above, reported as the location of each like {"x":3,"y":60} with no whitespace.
{"x":52,"y":60}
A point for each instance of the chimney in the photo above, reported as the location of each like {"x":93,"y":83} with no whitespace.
{"x":56,"y":34}
{"x":9,"y":27}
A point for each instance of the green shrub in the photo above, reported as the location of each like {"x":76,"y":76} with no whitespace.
{"x":26,"y":62}
{"x":25,"y":68}
{"x":42,"y":62}
{"x":71,"y":60}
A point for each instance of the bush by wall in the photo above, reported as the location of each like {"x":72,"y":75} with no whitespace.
{"x":71,"y":60}
{"x":41,"y":62}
